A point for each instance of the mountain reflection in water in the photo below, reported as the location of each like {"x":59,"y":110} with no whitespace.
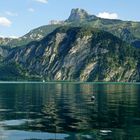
{"x":66,"y":111}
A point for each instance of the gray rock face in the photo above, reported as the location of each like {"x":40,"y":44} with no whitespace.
{"x":3,"y":52}
{"x":78,"y":14}
{"x":78,"y":54}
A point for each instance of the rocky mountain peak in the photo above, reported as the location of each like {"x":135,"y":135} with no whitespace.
{"x":78,"y":14}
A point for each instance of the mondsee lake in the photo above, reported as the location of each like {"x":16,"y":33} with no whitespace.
{"x":65,"y":111}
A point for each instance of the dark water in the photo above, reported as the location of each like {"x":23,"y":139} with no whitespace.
{"x":65,"y":111}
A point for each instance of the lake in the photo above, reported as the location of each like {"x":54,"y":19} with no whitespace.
{"x":65,"y":111}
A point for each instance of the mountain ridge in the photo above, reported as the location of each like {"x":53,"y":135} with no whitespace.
{"x":129,"y":31}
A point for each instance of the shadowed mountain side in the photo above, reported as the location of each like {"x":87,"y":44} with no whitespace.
{"x":78,"y":54}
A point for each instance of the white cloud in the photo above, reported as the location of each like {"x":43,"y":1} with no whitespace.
{"x":108,"y":15}
{"x":31,"y":10}
{"x":5,"y":22}
{"x":42,"y":1}
{"x":11,"y":14}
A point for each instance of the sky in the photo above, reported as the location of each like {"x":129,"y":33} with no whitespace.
{"x":17,"y":17}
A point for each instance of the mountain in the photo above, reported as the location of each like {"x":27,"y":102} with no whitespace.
{"x":128,"y":31}
{"x":82,"y":48}
{"x":76,"y":54}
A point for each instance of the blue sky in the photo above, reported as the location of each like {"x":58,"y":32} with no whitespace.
{"x":17,"y":17}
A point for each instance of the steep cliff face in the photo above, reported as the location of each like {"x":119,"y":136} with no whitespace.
{"x":79,"y":15}
{"x":4,"y":50}
{"x":78,"y":54}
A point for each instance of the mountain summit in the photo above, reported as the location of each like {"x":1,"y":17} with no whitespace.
{"x":78,"y":14}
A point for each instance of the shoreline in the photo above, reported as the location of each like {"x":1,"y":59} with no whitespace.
{"x":64,"y":82}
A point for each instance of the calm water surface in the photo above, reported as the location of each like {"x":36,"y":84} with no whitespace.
{"x":65,"y":111}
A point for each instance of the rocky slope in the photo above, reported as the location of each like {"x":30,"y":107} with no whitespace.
{"x":77,"y":54}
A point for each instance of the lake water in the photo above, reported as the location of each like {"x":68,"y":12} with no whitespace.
{"x":65,"y":111}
